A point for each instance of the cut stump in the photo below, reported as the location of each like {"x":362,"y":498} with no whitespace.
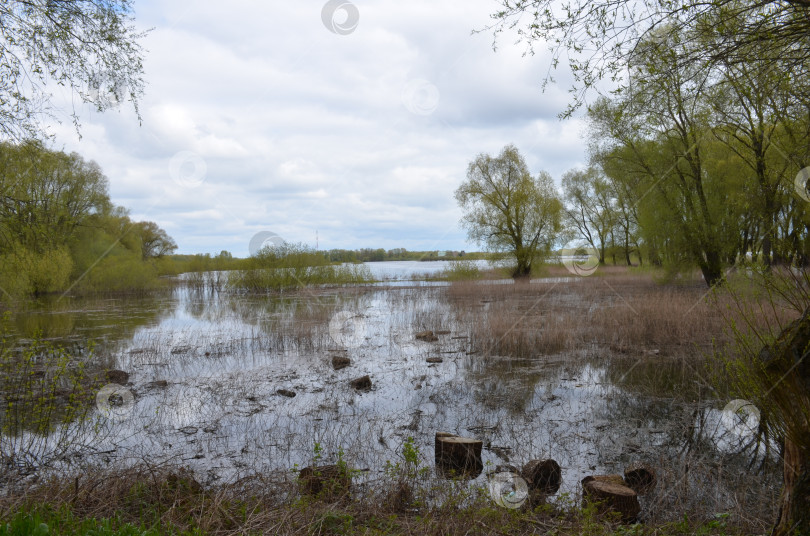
{"x":542,"y":475}
{"x":610,"y":496}
{"x":457,"y":456}
{"x":610,"y":479}
{"x":118,"y":376}
{"x":362,"y":383}
{"x":640,"y":478}
{"x":340,"y":362}
{"x":325,"y":480}
{"x":426,"y":336}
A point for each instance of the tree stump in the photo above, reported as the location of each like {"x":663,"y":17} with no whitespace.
{"x":640,"y":478}
{"x":426,"y":336}
{"x":325,"y":480}
{"x":610,"y":479}
{"x":542,"y":475}
{"x":611,"y":496}
{"x":118,"y":376}
{"x":340,"y":362}
{"x":457,"y":456}
{"x":361,"y":384}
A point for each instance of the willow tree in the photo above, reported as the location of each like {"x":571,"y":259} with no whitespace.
{"x":598,"y":38}
{"x":90,"y":47}
{"x":507,"y":210}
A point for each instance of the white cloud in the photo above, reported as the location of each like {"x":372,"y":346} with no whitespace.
{"x":303,"y":130}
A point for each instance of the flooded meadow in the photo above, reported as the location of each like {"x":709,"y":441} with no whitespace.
{"x":597,"y":373}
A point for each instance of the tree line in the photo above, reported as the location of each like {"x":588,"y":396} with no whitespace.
{"x":689,"y":168}
{"x":60,"y":231}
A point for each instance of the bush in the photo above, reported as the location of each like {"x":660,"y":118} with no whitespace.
{"x":461,"y":271}
{"x":24,"y":272}
{"x":295,"y":266}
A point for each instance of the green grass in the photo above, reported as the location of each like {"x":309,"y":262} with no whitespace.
{"x":46,"y":521}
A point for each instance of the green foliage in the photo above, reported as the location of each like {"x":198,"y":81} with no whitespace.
{"x":24,"y":272}
{"x":59,"y":230}
{"x":508,"y":210}
{"x":44,"y":521}
{"x":90,"y":47}
{"x":461,"y":271}
{"x":290,"y":266}
{"x":600,"y":41}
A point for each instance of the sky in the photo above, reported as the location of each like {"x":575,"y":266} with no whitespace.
{"x":341,"y":124}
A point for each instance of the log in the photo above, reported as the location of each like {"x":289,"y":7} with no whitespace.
{"x":640,"y":478}
{"x":613,"y":497}
{"x":457,"y":456}
{"x":542,"y":475}
{"x":323,"y":480}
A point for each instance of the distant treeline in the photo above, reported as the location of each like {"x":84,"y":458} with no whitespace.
{"x":396,"y":254}
{"x":177,"y":264}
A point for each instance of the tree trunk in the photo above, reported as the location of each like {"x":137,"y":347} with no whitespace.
{"x":787,"y":368}
{"x":794,"y":503}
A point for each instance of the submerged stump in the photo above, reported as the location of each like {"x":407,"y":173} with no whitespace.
{"x":426,"y":336}
{"x":362,"y":383}
{"x":120,"y":377}
{"x":457,"y":456}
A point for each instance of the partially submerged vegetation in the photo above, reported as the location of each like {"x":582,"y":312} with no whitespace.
{"x":290,"y":266}
{"x":651,"y":340}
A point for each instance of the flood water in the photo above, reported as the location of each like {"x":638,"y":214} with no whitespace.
{"x":205,"y":369}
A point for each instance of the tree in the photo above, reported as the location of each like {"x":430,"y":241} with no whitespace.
{"x":88,"y":46}
{"x":155,"y":242}
{"x":507,"y":210}
{"x":600,"y":37}
{"x":590,"y":206}
{"x":660,"y":126}
{"x":46,"y":195}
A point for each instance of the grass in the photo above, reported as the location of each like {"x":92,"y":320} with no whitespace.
{"x":153,"y":500}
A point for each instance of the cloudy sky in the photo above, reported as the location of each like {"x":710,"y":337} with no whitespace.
{"x":355,"y":123}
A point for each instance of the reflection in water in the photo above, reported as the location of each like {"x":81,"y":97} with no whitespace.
{"x":206,"y":368}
